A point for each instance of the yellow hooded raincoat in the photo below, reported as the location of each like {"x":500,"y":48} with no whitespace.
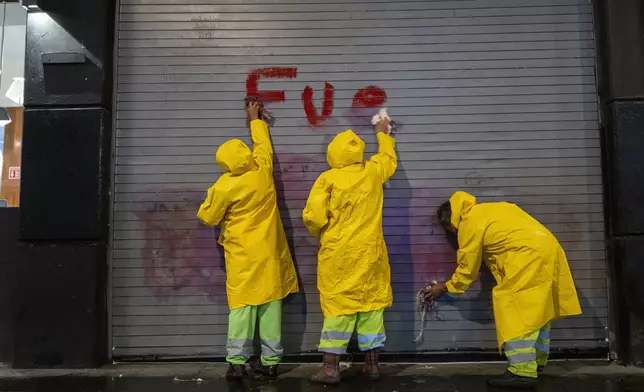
{"x":344,"y":210}
{"x":534,"y":283}
{"x":259,"y":268}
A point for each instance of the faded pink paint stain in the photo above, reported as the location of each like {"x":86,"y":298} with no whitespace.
{"x":435,"y":261}
{"x":181,"y":255}
{"x":180,"y":261}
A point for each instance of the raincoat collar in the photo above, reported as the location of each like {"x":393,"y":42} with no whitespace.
{"x":460,"y":202}
{"x":235,"y":157}
{"x":346,"y":149}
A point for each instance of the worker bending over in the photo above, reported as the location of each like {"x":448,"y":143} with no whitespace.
{"x":534,"y":283}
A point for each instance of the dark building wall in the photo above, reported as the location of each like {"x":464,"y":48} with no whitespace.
{"x":9,"y":228}
{"x":620,"y":39}
{"x":50,"y":298}
{"x":53,"y":257}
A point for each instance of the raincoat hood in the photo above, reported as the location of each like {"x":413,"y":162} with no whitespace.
{"x":461,"y":202}
{"x":346,"y":149}
{"x":235,"y":157}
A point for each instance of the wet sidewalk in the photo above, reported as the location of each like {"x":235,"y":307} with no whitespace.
{"x":197,"y":377}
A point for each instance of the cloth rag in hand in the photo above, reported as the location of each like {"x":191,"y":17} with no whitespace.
{"x":383,"y":115}
{"x":425,"y":308}
{"x":263,"y":113}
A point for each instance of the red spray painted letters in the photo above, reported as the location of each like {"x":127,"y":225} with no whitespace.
{"x":252,"y":82}
{"x":309,"y":106}
{"x":368,"y":97}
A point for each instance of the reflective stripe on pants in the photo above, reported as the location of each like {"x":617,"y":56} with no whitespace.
{"x":543,"y":345}
{"x":338,"y":330}
{"x":527,"y":352}
{"x":241,"y":331}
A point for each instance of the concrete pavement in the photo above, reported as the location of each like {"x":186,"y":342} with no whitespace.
{"x":574,"y":376}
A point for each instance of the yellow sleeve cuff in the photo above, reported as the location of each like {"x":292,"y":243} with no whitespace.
{"x":258,"y":121}
{"x":389,"y":138}
{"x":451,"y":288}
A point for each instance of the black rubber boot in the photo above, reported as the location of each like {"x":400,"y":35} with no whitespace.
{"x":512,"y":381}
{"x":330,"y":373}
{"x":261,"y":371}
{"x":236,"y":372}
{"x":371,"y":368}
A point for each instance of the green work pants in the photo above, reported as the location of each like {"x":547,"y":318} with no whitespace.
{"x":527,"y":352}
{"x":241,"y":331}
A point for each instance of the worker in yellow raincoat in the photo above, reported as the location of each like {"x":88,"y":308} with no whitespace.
{"x":344,"y":210}
{"x":259,"y":268}
{"x":534,"y":283}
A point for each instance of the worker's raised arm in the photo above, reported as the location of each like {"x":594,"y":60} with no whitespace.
{"x":469,"y":258}
{"x":385,"y":161}
{"x":262,"y":148}
{"x":214,"y":208}
{"x":316,"y":211}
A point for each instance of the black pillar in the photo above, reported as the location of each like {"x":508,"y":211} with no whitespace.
{"x":620,"y":39}
{"x":60,"y":302}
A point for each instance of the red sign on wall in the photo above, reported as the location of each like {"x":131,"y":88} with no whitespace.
{"x":14,"y":173}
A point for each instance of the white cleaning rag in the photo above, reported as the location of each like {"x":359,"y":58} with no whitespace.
{"x":381,"y":115}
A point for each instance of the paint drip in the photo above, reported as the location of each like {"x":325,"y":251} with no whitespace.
{"x":425,"y":308}
{"x":263,"y":113}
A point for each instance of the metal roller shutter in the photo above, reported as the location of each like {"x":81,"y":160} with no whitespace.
{"x":497,"y":97}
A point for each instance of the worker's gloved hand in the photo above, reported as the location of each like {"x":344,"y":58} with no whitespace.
{"x":433,"y":291}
